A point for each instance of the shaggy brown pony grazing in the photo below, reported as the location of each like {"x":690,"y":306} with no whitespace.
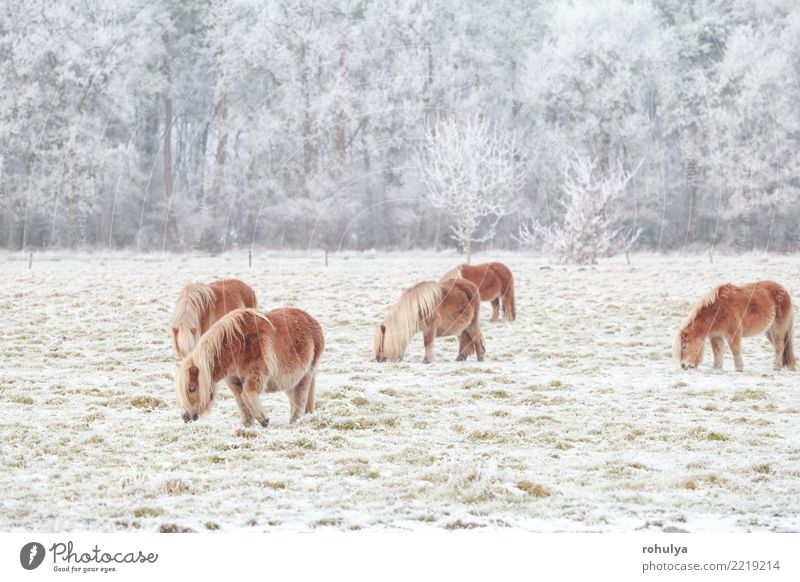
{"x":254,"y":352}
{"x":200,"y":306}
{"x":495,"y":282}
{"x":449,"y":307}
{"x":729,"y":313}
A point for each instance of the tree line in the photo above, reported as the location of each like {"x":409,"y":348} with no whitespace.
{"x":202,"y":126}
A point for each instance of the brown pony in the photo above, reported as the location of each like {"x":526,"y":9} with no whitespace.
{"x":495,"y":282}
{"x":728,"y":313}
{"x":436,"y":309}
{"x":254,"y":352}
{"x":200,"y":306}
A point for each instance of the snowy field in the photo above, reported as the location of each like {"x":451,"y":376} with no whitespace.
{"x":578,"y":420}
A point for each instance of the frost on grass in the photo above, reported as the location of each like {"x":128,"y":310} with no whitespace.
{"x":578,"y":420}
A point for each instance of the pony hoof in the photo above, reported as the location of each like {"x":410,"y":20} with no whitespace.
{"x":264,"y":423}
{"x":480,"y":358}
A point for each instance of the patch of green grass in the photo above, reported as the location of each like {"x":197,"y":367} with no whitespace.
{"x":749,"y":394}
{"x":147,"y":512}
{"x":498,"y":394}
{"x":211,"y":526}
{"x":148,"y":403}
{"x":354,"y":424}
{"x":763,"y":469}
{"x":482,"y":435}
{"x":277,"y":485}
{"x":634,"y":434}
{"x":27,"y":400}
{"x":716,"y":436}
{"x":360,"y":401}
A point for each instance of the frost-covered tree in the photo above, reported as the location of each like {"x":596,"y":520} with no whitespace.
{"x":591,"y":227}
{"x":471,"y":171}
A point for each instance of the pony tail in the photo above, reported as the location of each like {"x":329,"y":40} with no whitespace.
{"x":509,"y":308}
{"x":788,"y":347}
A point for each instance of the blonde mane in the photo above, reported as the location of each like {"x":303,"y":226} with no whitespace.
{"x":404,"y":317}
{"x":193,"y":304}
{"x":454,"y":273}
{"x":208,"y":351}
{"x":706,"y":301}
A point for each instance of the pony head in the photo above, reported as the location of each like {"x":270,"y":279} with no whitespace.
{"x":185,"y":338}
{"x":388,"y":345}
{"x":688,"y":348}
{"x":193,"y":389}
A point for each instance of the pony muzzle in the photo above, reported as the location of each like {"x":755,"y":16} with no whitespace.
{"x":190,"y":416}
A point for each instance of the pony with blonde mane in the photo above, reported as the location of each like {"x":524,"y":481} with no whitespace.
{"x":253,"y":352}
{"x":200,"y":306}
{"x":728,"y":313}
{"x":495,"y":283}
{"x":436,"y":309}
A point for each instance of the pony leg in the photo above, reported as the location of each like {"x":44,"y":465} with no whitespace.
{"x":312,"y":396}
{"x":464,"y":346}
{"x":251,"y":396}
{"x":477,"y":338}
{"x":298,"y":398}
{"x":235,"y":384}
{"x":480,"y":349}
{"x":495,"y":309}
{"x":718,"y":347}
{"x":427,"y":338}
{"x":778,"y":342}
{"x":735,"y":344}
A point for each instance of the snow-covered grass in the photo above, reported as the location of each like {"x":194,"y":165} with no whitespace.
{"x":578,"y":419}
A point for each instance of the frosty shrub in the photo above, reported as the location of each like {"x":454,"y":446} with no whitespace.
{"x":471,"y":171}
{"x":590,"y":227}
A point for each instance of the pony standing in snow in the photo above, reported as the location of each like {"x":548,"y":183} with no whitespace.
{"x":253,"y":352}
{"x":495,"y":282}
{"x":728,"y":313}
{"x":200,"y":306}
{"x":436,"y":309}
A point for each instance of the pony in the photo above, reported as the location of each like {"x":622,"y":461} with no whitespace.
{"x":200,"y":306}
{"x":495,"y":282}
{"x":436,"y":309}
{"x":253,"y":352}
{"x":728,"y":313}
